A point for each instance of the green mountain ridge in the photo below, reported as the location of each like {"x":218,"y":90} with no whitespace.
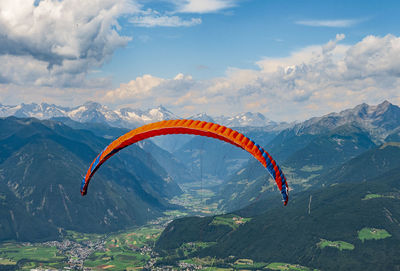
{"x":292,"y":233}
{"x":40,"y":175}
{"x":311,"y":151}
{"x":175,"y":168}
{"x":369,"y":164}
{"x":330,"y":149}
{"x":247,"y":186}
{"x":313,"y":156}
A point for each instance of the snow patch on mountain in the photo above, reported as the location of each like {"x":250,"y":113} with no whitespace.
{"x":245,"y":119}
{"x":125,"y":117}
{"x":202,"y":117}
{"x":89,"y":112}
{"x":379,"y":120}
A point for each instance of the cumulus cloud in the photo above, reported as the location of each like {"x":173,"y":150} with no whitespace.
{"x":139,"y":88}
{"x":203,"y":6}
{"x":375,"y":56}
{"x":58,"y":40}
{"x":320,"y":79}
{"x":329,"y":23}
{"x":57,"y":43}
{"x":149,"y":90}
{"x":49,"y":45}
{"x":312,"y":81}
{"x":152,"y":18}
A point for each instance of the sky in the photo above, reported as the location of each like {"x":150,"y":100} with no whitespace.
{"x":287,"y":59}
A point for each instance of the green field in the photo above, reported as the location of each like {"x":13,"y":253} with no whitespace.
{"x":80,"y":237}
{"x":125,"y":250}
{"x":116,"y":259}
{"x":312,"y":168}
{"x":206,"y":261}
{"x":341,"y":245}
{"x":30,"y":256}
{"x":247,"y":263}
{"x":209,"y":263}
{"x":287,"y":266}
{"x":376,"y":196}
{"x":373,"y":234}
{"x":135,"y":238}
{"x":191,"y":247}
{"x":195,"y":198}
{"x":7,"y":262}
{"x":175,"y":213}
{"x":230,"y":220}
{"x":217,"y":269}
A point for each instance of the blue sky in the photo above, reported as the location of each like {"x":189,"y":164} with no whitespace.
{"x":241,"y":35}
{"x":288,"y":59}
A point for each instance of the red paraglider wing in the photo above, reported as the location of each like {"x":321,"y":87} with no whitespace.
{"x":193,"y":127}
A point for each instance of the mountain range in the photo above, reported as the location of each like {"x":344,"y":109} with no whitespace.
{"x":315,"y":153}
{"x":91,"y":112}
{"x":313,"y":150}
{"x":125,"y":117}
{"x":380,"y":120}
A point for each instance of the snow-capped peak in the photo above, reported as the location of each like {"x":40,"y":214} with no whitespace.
{"x":245,"y":119}
{"x":379,"y":119}
{"x":202,"y":117}
{"x":125,"y":117}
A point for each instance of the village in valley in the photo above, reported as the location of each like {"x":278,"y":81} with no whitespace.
{"x":126,"y":250}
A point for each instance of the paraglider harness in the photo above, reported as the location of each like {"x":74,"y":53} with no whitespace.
{"x":285,"y":194}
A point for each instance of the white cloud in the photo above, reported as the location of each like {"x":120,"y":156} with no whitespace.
{"x":312,"y":81}
{"x":329,"y":23}
{"x":375,"y":56}
{"x":203,"y":6}
{"x":149,"y":90}
{"x":61,"y":40}
{"x":136,"y":89}
{"x":152,"y":18}
{"x":57,"y":43}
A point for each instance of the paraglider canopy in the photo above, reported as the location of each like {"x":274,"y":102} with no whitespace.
{"x":194,"y":127}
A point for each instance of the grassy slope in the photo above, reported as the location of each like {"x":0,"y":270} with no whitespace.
{"x":368,"y":165}
{"x":307,"y":156}
{"x":330,"y":149}
{"x":291,"y":234}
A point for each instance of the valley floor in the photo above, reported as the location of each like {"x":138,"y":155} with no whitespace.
{"x":132,"y":249}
